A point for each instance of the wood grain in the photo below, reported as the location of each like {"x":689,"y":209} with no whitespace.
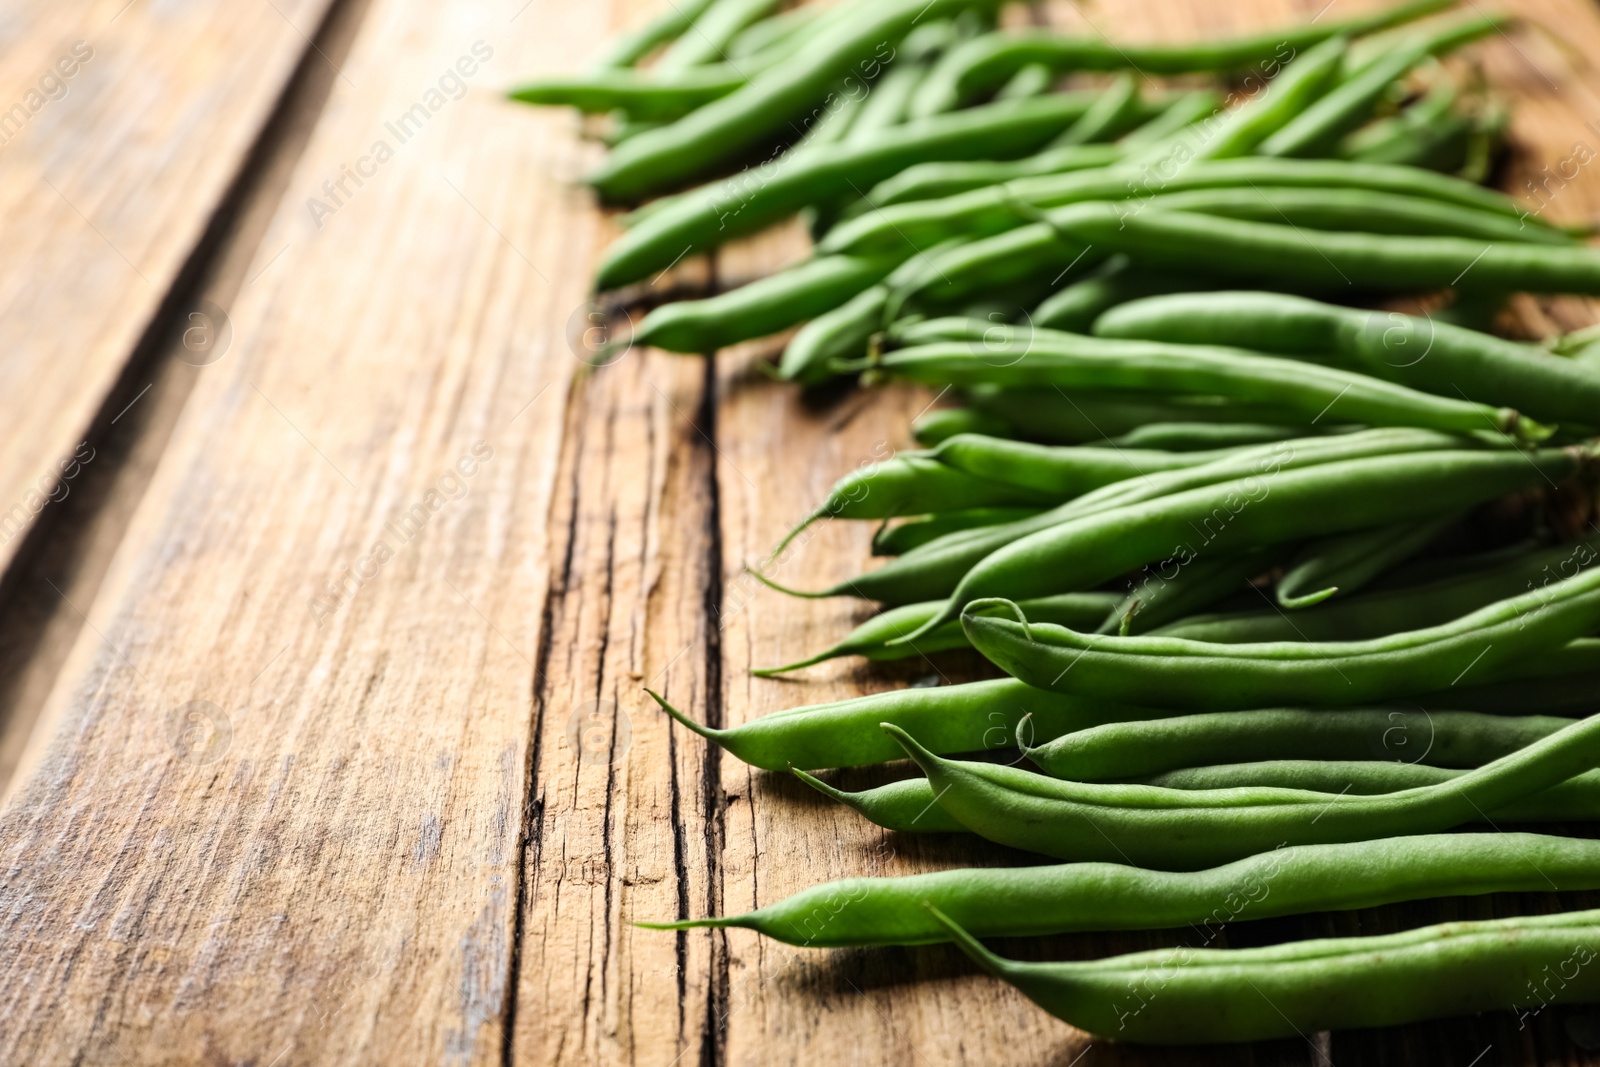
{"x":427,"y":806}
{"x":112,"y":165}
{"x":339,"y":884}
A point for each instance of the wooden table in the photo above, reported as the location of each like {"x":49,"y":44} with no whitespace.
{"x":325,"y":739}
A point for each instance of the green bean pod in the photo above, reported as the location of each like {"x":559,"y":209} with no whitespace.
{"x":1437,"y":738}
{"x":940,"y":179}
{"x":1200,"y":436}
{"x":941,"y":424}
{"x":725,"y":129}
{"x":907,"y":806}
{"x":1238,"y":131}
{"x":1176,"y":829}
{"x":901,"y":538}
{"x":713,"y":31}
{"x":1057,"y":472}
{"x":1160,"y":597}
{"x":1014,"y":357}
{"x":1116,"y":112}
{"x":986,"y":63}
{"x":1284,"y":255}
{"x":1082,"y":416}
{"x":628,"y":48}
{"x":952,"y":718}
{"x":938,"y":569}
{"x":1346,"y":107}
{"x":1073,"y":897}
{"x":994,"y":209}
{"x":1411,"y":606}
{"x":920,"y":484}
{"x":1076,"y":307}
{"x":762,"y":307}
{"x":640,"y":97}
{"x":1344,"y":563}
{"x":756,"y":198}
{"x":1417,"y":351}
{"x":1502,"y":641}
{"x":872,"y":639}
{"x":846,"y":331}
{"x":1183,"y":996}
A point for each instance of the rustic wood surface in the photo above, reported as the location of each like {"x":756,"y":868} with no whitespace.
{"x":288,"y":802}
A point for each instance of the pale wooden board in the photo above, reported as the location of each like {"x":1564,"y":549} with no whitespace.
{"x":106,"y":191}
{"x":344,"y":883}
{"x":340,"y":886}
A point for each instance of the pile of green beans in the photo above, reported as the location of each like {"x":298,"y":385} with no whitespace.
{"x":1282,"y":583}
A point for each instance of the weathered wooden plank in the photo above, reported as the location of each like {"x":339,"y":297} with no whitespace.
{"x":122,"y":127}
{"x":323,"y":869}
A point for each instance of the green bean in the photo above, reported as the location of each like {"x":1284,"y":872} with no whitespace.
{"x":1410,"y":606}
{"x":627,"y":49}
{"x":905,"y":807}
{"x":1118,"y":110}
{"x":913,"y":533}
{"x":941,"y":424}
{"x":891,"y":95}
{"x":1575,"y":800}
{"x":1057,"y":472}
{"x":1346,"y":562}
{"x":1020,"y":358}
{"x":975,"y":471}
{"x":908,"y":806}
{"x":1058,"y":417}
{"x":1082,"y":234}
{"x":1272,"y":506}
{"x":987,"y":62}
{"x":1180,"y":996}
{"x":950,"y":718}
{"x":1427,"y":134}
{"x":770,"y":31}
{"x":1340,"y":209}
{"x":1239,"y":131}
{"x":1498,"y":642}
{"x":1415,"y":351}
{"x":1201,"y":436}
{"x":726,"y":129}
{"x":1567,"y":684}
{"x":1336,"y":113}
{"x":1176,"y":829}
{"x":846,"y":331}
{"x":632,"y":92}
{"x":996,"y":208}
{"x":1072,"y":897}
{"x":938,"y":568}
{"x":1075,"y":308}
{"x":871,"y":639}
{"x":833,"y":120}
{"x":933,"y":181}
{"x":1285,"y":255}
{"x":1159,"y":598}
{"x":762,"y":307}
{"x":1031,"y":80}
{"x":920,"y":484}
{"x":713,"y":31}
{"x":1438,"y":738}
{"x":771,"y":192}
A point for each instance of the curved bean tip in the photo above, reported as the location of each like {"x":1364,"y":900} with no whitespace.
{"x":707,"y":732}
{"x":985,"y":608}
{"x":770,"y":584}
{"x":919,"y":755}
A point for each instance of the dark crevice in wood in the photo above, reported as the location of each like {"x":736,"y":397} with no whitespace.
{"x":64,"y":556}
{"x":530,"y":847}
{"x":713,"y":1046}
